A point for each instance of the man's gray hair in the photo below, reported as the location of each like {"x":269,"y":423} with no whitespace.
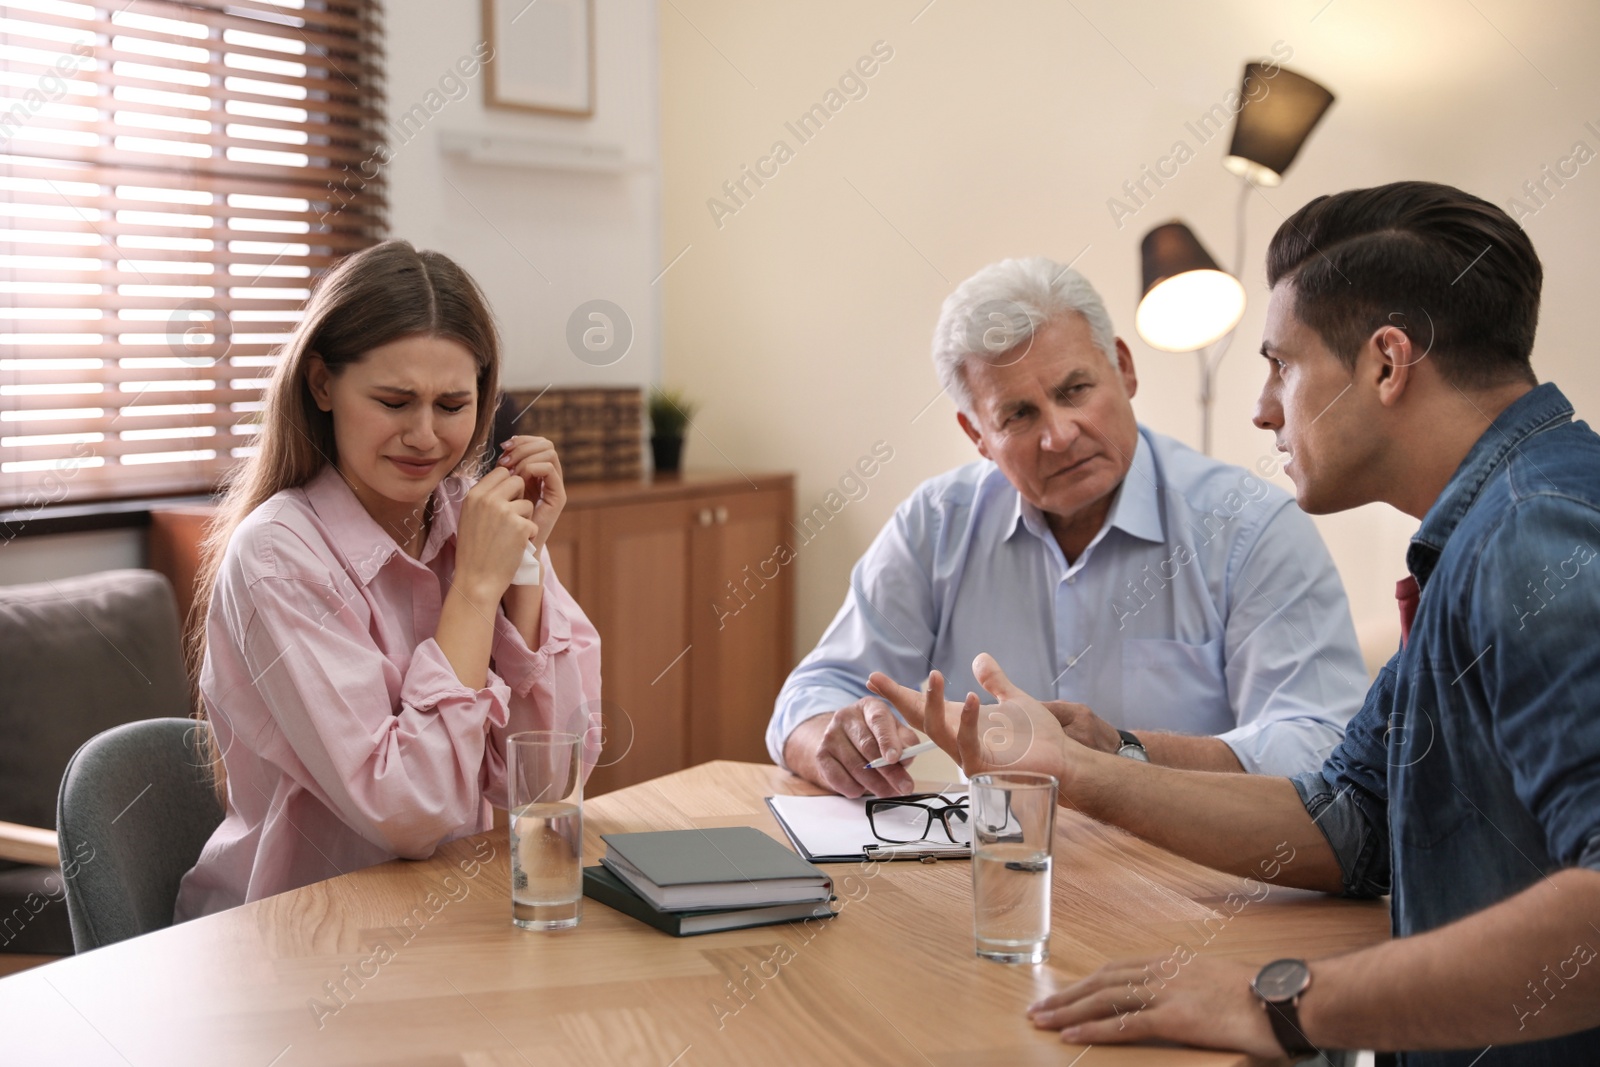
{"x":994,"y":314}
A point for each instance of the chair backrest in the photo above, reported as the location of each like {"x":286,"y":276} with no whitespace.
{"x":80,"y":655}
{"x":136,"y":807}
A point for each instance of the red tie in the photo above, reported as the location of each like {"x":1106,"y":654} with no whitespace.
{"x":1407,"y":592}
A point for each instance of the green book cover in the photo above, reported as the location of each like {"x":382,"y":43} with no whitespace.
{"x":599,"y":884}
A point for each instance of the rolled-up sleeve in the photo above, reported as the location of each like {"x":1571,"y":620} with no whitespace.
{"x":553,"y":687}
{"x":1293,"y":664}
{"x":404,"y":773}
{"x":887,"y":624}
{"x":1348,"y":798}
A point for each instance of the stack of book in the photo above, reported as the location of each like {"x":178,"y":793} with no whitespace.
{"x":697,"y":881}
{"x":598,"y":431}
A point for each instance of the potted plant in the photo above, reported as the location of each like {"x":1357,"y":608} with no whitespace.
{"x":670,"y":412}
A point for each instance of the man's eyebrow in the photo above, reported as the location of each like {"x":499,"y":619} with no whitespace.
{"x":1267,"y":348}
{"x":460,"y":394}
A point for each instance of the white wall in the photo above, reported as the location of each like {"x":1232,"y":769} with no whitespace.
{"x":803,"y":321}
{"x":591,"y":236}
{"x":45,"y":559}
{"x":540,"y":242}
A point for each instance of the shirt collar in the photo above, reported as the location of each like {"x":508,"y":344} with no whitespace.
{"x":356,"y":535}
{"x":1537,"y":410}
{"x":1136,"y":510}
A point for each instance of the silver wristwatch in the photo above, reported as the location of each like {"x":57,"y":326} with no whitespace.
{"x":1132,"y":747}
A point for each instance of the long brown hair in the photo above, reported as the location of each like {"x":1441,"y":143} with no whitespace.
{"x":380,"y":294}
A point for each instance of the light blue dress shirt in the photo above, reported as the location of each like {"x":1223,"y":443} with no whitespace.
{"x":1207,"y":604}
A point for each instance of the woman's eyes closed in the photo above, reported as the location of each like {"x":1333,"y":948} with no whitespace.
{"x":443,"y":407}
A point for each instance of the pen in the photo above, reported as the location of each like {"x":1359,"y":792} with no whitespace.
{"x":914,"y":750}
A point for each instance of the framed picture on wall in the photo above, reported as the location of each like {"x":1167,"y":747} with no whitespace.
{"x":541,"y":55}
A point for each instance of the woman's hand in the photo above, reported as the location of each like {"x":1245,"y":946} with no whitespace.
{"x":497,"y":522}
{"x":534,"y":460}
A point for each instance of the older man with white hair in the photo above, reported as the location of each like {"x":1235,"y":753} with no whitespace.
{"x":1179,"y":609}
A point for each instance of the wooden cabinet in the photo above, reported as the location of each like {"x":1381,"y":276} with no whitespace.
{"x":683,"y":580}
{"x":740,"y":578}
{"x":173,"y":548}
{"x":689,"y":580}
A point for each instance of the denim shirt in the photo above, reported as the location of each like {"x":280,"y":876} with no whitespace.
{"x":1473,"y":768}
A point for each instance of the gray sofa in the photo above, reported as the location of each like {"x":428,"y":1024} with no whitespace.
{"x":77,"y":656}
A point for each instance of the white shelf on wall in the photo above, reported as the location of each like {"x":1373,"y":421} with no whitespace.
{"x":531,"y":153}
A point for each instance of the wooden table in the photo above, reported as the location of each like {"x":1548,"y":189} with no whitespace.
{"x":418,"y":963}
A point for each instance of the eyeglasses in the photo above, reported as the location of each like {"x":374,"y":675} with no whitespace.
{"x":901,"y":820}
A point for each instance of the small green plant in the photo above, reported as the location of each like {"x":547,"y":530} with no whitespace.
{"x":670,"y":412}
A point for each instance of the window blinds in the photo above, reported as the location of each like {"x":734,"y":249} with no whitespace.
{"x":172,"y":178}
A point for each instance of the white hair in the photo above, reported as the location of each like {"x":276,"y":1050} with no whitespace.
{"x":999,"y":309}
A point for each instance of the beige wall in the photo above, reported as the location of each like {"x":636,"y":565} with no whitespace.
{"x":802,"y":321}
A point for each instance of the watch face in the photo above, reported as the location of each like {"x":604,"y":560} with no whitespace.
{"x":1282,"y":980}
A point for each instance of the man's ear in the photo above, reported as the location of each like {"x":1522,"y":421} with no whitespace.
{"x":318,"y":379}
{"x":972,"y":434}
{"x":1130,"y":377}
{"x":1391,"y":361}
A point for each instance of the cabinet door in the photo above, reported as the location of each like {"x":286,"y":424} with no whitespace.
{"x":634,"y":567}
{"x":740,"y":609}
{"x":564,"y":547}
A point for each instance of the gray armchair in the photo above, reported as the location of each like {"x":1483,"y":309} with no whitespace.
{"x":77,"y":657}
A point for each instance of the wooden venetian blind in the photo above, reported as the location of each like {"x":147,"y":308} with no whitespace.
{"x":173,"y":176}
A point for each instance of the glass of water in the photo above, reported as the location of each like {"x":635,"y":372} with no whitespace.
{"x":1013,"y":824}
{"x":544,"y":787}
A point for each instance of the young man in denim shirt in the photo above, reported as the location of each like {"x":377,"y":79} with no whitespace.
{"x":1398,"y":345}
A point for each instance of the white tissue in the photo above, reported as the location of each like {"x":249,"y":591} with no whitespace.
{"x":529,"y":572}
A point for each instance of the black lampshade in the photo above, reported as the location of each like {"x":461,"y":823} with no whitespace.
{"x":1170,"y":249}
{"x":1279,"y":110}
{"x":1187,"y":301}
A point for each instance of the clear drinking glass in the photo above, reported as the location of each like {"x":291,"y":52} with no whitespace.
{"x":544,"y":786}
{"x":1013,"y":823}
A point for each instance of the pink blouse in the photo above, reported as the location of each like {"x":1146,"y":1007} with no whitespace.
{"x":347,"y":738}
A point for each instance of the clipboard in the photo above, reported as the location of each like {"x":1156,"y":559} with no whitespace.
{"x":834,"y":829}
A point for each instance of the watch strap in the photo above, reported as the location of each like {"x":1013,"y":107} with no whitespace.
{"x":1131,"y":741}
{"x":1285,"y":1020}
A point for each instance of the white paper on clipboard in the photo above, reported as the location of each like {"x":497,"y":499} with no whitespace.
{"x":835,"y":829}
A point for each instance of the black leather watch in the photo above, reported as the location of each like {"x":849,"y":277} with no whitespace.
{"x":1279,"y":986}
{"x":1132,"y":747}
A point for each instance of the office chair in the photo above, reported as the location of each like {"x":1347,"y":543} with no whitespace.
{"x":135,"y":809}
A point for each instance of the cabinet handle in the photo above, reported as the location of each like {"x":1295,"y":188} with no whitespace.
{"x":722,"y":514}
{"x":705,"y":516}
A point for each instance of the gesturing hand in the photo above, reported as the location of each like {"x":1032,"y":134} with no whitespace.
{"x":1018,"y":734}
{"x":1078,"y":720}
{"x":534,"y":460}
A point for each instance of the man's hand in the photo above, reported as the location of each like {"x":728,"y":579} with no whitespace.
{"x":1085,"y":727}
{"x":1017,"y":734}
{"x":1178,"y":997}
{"x":833,"y":750}
{"x":1078,"y":720}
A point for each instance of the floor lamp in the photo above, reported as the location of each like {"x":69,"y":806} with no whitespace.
{"x":1188,"y":303}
